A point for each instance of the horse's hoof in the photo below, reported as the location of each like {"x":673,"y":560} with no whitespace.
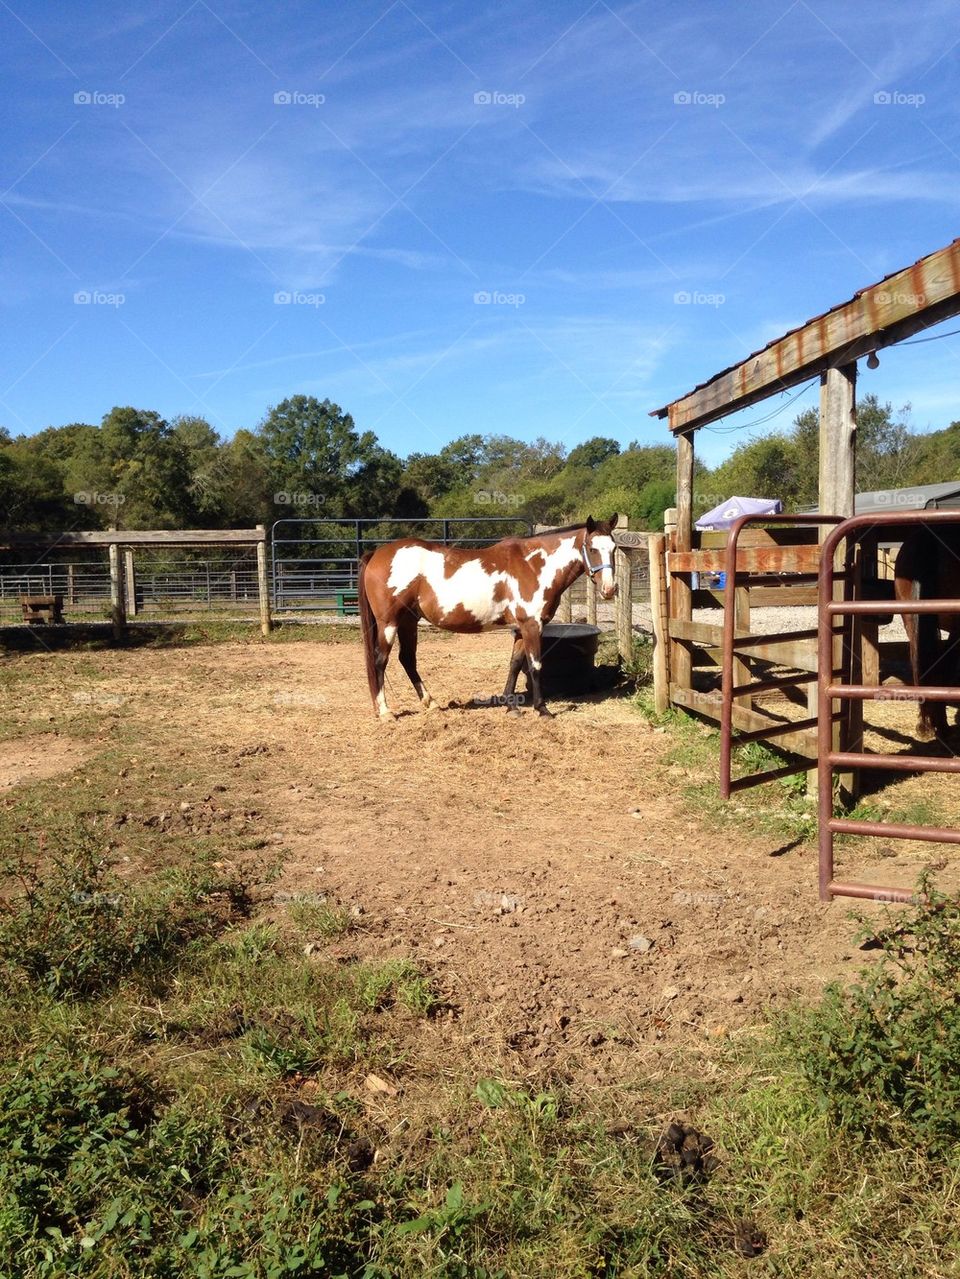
{"x":544,"y":713}
{"x":387,"y":717}
{"x":513,"y":708}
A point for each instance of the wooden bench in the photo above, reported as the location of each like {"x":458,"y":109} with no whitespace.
{"x":41,"y":610}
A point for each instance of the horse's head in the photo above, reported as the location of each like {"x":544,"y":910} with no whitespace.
{"x":597,"y":553}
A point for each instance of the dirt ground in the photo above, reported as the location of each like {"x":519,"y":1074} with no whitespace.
{"x":550,"y":874}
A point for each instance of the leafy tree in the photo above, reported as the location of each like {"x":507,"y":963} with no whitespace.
{"x":637,"y":465}
{"x":654,"y":498}
{"x":241,"y":482}
{"x":430,"y":475}
{"x":769,"y":466}
{"x":313,"y":448}
{"x":32,"y":496}
{"x":593,"y":452}
{"x":204,"y":455}
{"x":135,"y":460}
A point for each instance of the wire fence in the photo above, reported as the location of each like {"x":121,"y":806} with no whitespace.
{"x":308,"y":574}
{"x":160,"y":587}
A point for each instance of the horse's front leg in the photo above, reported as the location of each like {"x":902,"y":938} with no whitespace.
{"x":530,"y":636}
{"x":516,"y":664}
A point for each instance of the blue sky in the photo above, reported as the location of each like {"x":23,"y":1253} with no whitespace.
{"x":261,"y":200}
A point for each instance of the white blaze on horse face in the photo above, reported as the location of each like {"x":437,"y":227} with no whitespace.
{"x":603,"y":548}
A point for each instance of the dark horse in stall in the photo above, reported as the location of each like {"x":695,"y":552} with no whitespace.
{"x":928,"y":567}
{"x":516,"y":582}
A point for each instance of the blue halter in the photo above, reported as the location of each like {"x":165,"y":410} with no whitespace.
{"x":593,"y":568}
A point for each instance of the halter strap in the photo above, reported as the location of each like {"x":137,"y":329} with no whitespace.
{"x":593,"y":568}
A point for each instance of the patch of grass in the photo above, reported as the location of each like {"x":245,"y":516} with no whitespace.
{"x":202,"y":1114}
{"x":638,"y":668}
{"x":95,"y":636}
{"x":319,"y":920}
{"x":882,"y":1053}
{"x":75,"y":929}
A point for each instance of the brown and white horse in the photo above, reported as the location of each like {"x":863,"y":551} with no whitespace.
{"x":928,"y":567}
{"x":517,"y":582}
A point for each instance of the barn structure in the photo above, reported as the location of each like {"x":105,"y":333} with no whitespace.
{"x":777,"y":560}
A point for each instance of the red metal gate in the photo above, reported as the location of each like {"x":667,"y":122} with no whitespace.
{"x":833,"y":687}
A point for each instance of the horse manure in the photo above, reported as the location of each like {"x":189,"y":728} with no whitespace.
{"x":360,"y":1154}
{"x":748,"y":1239}
{"x":683,"y":1154}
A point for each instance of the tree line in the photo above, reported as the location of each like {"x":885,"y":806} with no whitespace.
{"x":308,"y":459}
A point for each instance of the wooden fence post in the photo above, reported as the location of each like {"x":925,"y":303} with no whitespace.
{"x":263,"y":583}
{"x":130,"y":581}
{"x":681,"y":584}
{"x":118,"y":616}
{"x":623,"y":601}
{"x":591,"y":602}
{"x":656,"y":550}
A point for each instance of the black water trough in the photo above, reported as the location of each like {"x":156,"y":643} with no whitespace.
{"x":569,"y":651}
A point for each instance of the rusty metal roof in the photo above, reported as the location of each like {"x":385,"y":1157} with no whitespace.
{"x":872,"y":318}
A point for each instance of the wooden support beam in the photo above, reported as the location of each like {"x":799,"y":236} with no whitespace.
{"x":838,"y":442}
{"x":906,"y":302}
{"x":685,"y":458}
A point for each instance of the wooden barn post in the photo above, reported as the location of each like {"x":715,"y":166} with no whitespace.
{"x":263,"y":583}
{"x":837,"y":489}
{"x":623,"y":601}
{"x":838,"y":441}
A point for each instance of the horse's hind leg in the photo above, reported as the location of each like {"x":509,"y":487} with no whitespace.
{"x":407,"y":631}
{"x":386,"y":634}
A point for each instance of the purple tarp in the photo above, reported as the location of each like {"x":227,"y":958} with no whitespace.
{"x":723,"y":516}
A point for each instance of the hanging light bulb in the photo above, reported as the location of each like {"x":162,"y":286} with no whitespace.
{"x":873,"y":360}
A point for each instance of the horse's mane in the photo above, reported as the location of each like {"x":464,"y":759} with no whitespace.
{"x":567,"y":528}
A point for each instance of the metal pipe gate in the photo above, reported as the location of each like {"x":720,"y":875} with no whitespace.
{"x":831,"y":689}
{"x":315,"y":562}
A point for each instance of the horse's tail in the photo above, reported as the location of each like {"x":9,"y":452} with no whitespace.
{"x":368,"y":626}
